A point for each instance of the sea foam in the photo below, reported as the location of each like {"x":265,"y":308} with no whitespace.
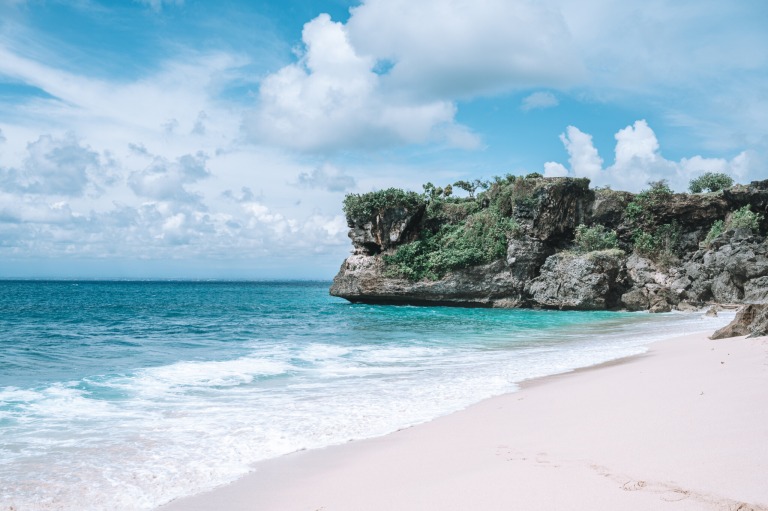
{"x":174,"y":412}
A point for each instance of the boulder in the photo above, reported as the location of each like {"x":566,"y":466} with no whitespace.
{"x":636,"y":299}
{"x":650,"y":288}
{"x":365,"y":279}
{"x":751,"y":320}
{"x":727,"y":288}
{"x":579,"y":281}
{"x":756,"y":290}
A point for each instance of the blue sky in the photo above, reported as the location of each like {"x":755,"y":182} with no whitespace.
{"x":201,"y":139}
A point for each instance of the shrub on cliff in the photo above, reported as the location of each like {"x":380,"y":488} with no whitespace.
{"x":590,"y":239}
{"x":639,"y":209}
{"x":661,"y":245}
{"x":479,"y":238}
{"x":710,"y":182}
{"x":744,"y":218}
{"x":714,"y":231}
{"x":462,"y":232}
{"x":362,"y":208}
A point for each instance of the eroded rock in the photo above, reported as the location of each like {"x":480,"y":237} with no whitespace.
{"x":751,"y":320}
{"x":580,"y":282}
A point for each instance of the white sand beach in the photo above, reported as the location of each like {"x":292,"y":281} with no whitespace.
{"x":683,"y":427}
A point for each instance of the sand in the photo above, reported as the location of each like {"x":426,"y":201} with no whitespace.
{"x":683,"y":427}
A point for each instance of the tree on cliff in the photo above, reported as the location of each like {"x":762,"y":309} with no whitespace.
{"x":710,"y":182}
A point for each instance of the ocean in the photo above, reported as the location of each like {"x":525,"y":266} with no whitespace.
{"x":125,"y":395}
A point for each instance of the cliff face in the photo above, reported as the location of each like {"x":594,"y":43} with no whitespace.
{"x":658,"y":260}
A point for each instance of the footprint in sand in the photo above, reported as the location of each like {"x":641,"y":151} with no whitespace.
{"x":634,"y":485}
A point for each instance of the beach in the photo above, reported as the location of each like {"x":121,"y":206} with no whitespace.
{"x":681,"y":427}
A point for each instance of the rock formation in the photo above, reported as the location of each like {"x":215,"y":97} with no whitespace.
{"x":543,"y":267}
{"x":751,"y":320}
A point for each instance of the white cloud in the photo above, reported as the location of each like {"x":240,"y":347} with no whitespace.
{"x":327,"y":177}
{"x":636,"y":145}
{"x":157,"y":167}
{"x":392,"y":73}
{"x":157,"y":104}
{"x":166,"y":181}
{"x":554,"y":169}
{"x":53,"y":166}
{"x":453,"y":49}
{"x":541,"y":99}
{"x":333,"y":99}
{"x":582,"y":154}
{"x":638,"y":160}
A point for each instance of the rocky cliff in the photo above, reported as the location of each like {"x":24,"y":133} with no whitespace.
{"x":556,"y":243}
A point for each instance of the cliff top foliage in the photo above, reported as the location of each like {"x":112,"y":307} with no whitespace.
{"x":453,"y":232}
{"x":710,"y":182}
{"x":459,"y":232}
{"x":362,"y":208}
{"x":640,"y":209}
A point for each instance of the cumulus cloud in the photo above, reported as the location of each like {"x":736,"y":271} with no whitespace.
{"x":539,"y":100}
{"x":453,"y":48}
{"x":53,"y":166}
{"x":326,"y":177}
{"x":636,"y":145}
{"x":638,"y":160}
{"x":166,"y":180}
{"x":35,"y":210}
{"x":332,"y":99}
{"x":554,"y":169}
{"x":582,"y":154}
{"x":184,"y":187}
{"x":392,"y":74}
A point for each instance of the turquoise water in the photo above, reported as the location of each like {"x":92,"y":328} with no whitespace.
{"x":124,"y":395}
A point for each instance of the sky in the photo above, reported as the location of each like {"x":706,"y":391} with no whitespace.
{"x":207,"y":139}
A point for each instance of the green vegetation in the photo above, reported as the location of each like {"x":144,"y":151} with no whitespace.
{"x":661,"y":245}
{"x":714,"y":231}
{"x":657,"y":242}
{"x":457,"y":232}
{"x":639,"y":210}
{"x":462,"y":232}
{"x":480,"y":239}
{"x":362,"y":208}
{"x":744,"y":218}
{"x":710,"y":182}
{"x":471,"y":186}
{"x":590,"y":239}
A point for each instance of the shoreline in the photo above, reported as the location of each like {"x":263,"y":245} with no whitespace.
{"x":675,"y":426}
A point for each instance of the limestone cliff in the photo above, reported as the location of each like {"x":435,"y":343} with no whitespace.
{"x":516,"y":244}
